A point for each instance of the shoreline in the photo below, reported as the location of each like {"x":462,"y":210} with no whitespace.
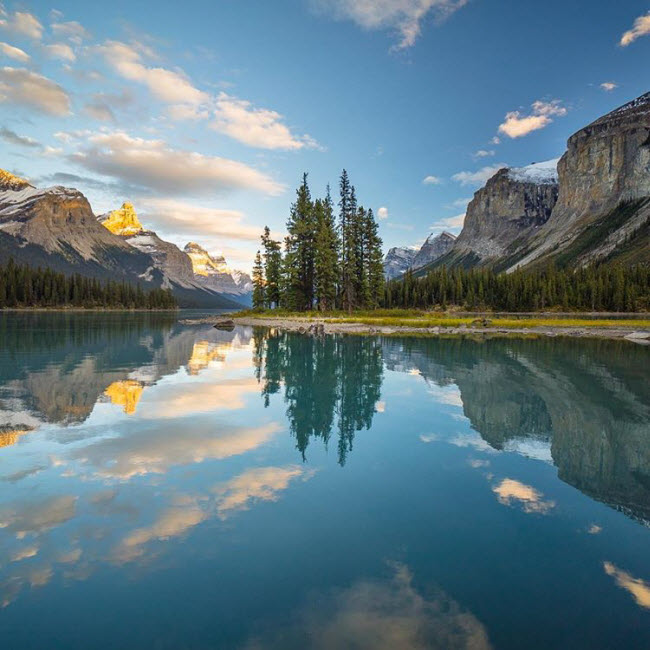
{"x":638,"y":334}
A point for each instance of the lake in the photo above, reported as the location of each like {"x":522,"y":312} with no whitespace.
{"x":167,"y":486}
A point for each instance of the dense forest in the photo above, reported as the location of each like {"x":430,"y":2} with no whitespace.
{"x":325,"y":265}
{"x":24,"y":286}
{"x":601,"y":288}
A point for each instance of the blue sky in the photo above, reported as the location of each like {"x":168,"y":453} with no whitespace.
{"x":204,"y":113}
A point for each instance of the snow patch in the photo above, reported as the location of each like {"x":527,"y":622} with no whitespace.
{"x":542,"y":173}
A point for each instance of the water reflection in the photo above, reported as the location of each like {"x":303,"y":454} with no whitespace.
{"x":382,"y":615}
{"x":132,"y":447}
{"x":329,"y":383}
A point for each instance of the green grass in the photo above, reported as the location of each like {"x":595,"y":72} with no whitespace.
{"x":420,"y":319}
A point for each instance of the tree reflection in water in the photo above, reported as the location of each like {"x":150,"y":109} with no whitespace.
{"x":330,"y":383}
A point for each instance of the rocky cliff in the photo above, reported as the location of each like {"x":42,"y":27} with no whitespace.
{"x":213,"y":272}
{"x":604,"y":200}
{"x":505,"y":214}
{"x":173,"y":263}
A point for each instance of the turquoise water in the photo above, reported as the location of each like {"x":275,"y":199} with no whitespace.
{"x":168,"y":486}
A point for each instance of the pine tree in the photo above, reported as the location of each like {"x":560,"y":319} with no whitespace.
{"x":259,"y":298}
{"x":374,"y":261}
{"x":300,"y":245}
{"x":272,"y":269}
{"x":326,"y":255}
{"x":348,"y":229}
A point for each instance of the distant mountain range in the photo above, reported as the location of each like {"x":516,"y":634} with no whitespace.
{"x":590,"y":206}
{"x":55,"y":227}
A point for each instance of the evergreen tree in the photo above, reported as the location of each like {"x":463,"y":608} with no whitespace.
{"x":300,"y":246}
{"x":374,"y":262}
{"x":326,"y":254}
{"x":259,"y":296}
{"x":348,"y":234}
{"x":272,"y":269}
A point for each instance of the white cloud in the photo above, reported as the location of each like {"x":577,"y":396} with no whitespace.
{"x":431,"y":180}
{"x":460,"y":203}
{"x":405,"y":17}
{"x":71,"y":30}
{"x":640,"y":28}
{"x":25,"y":88}
{"x":59,"y":51}
{"x":483,"y":153}
{"x":257,"y":127}
{"x":382,"y":213}
{"x":14,"y":52}
{"x":479,"y":177}
{"x":155,"y":165}
{"x":23,"y":24}
{"x":169,"y":86}
{"x":495,"y":140}
{"x":450,"y":223}
{"x":184,"y":218}
{"x":608,"y":86}
{"x":517,"y":125}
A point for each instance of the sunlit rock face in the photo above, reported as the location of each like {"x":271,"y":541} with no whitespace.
{"x":125,"y":393}
{"x":123,"y":221}
{"x":9,"y":181}
{"x":607,"y":164}
{"x":167,"y":257}
{"x":214,"y":273}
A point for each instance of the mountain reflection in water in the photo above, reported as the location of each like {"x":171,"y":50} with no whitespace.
{"x":122,"y":436}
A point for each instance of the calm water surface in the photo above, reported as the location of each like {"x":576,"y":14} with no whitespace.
{"x":166,"y":486}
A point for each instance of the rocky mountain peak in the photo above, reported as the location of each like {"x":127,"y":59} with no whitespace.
{"x":122,"y":222}
{"x":434,"y":247}
{"x":203,"y":263}
{"x":9,"y":181}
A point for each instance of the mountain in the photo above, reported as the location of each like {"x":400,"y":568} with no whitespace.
{"x":400,"y":260}
{"x":173,"y":263}
{"x":603,"y":208}
{"x":509,"y":210}
{"x":434,"y":247}
{"x":593,"y":205}
{"x":214,"y":274}
{"x":55,"y":227}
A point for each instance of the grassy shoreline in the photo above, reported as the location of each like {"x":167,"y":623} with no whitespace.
{"x":483,"y":320}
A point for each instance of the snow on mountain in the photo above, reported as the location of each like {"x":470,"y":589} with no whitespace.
{"x":542,"y":173}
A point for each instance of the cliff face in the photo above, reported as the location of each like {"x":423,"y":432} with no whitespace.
{"x":213,"y":273}
{"x":604,"y":189}
{"x":173,"y":263}
{"x":507,"y":212}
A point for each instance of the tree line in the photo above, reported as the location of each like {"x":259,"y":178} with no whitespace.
{"x":325,"y":263}
{"x":594,"y":288}
{"x":23,"y":286}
